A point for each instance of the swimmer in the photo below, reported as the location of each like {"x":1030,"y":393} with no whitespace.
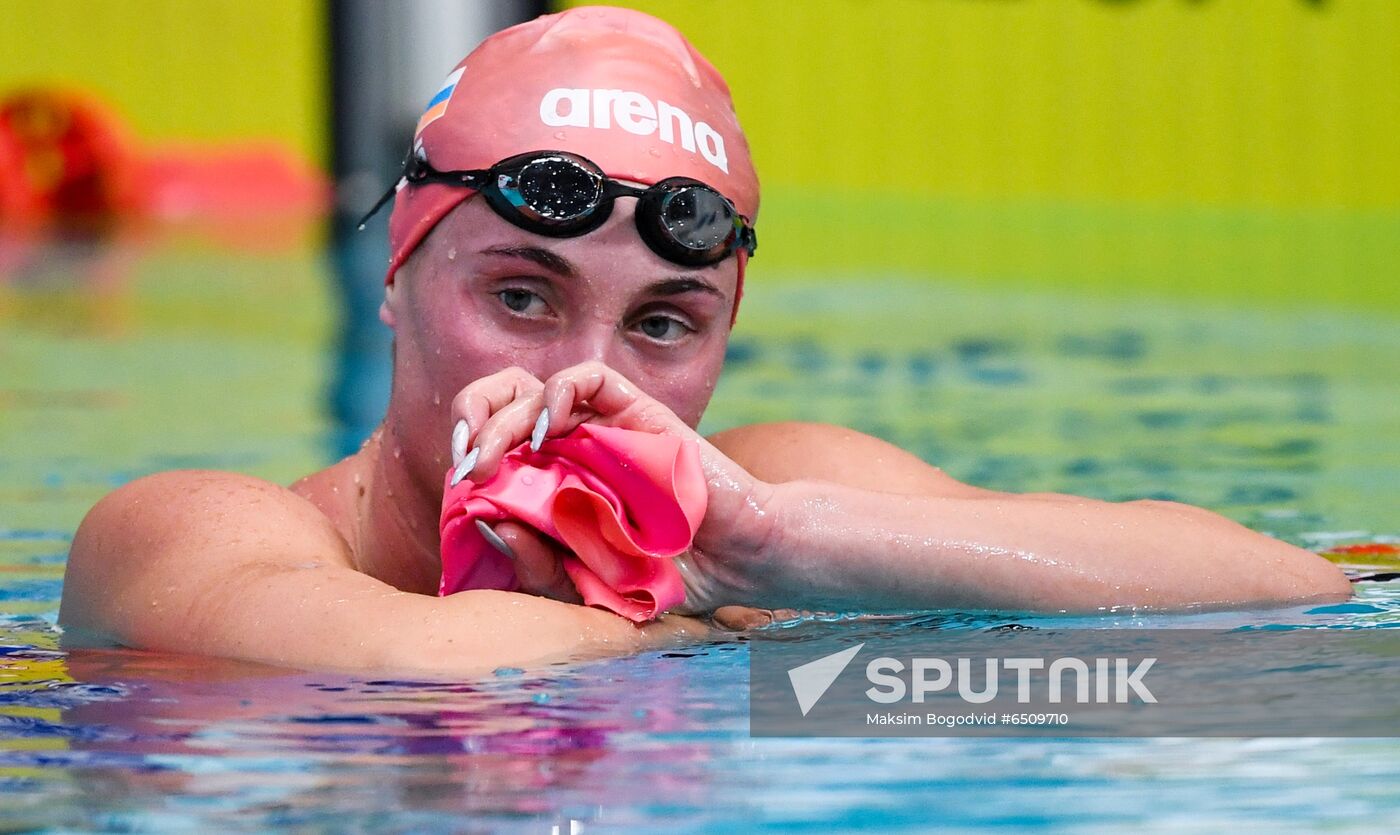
{"x":569,"y":243}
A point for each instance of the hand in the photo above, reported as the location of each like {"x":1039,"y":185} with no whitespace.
{"x":505,"y":409}
{"x":540,"y":568}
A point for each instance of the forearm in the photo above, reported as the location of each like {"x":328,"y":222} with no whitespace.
{"x":845,"y":548}
{"x":331,"y":618}
{"x":518,"y":630}
{"x":467,"y":633}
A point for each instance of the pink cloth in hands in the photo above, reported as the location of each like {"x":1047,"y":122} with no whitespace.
{"x":622,"y":502}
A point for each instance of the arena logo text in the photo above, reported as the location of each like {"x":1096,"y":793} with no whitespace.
{"x":580,"y":107}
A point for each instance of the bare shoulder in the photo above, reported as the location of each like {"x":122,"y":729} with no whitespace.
{"x":169,"y":535}
{"x":215,"y":506}
{"x":794,"y":450}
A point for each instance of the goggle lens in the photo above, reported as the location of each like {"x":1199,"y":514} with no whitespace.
{"x":698,"y":219}
{"x":553,"y":190}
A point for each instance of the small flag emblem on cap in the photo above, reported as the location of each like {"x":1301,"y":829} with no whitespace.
{"x":437,"y":107}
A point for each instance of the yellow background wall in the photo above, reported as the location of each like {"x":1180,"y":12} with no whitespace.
{"x":1272,"y":102}
{"x":1241,"y":102}
{"x":1237,"y":148}
{"x":202,"y":70}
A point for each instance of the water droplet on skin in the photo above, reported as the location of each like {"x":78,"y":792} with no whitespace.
{"x":560,"y":134}
{"x":398,"y":452}
{"x":527,"y":480}
{"x":437,"y":399}
{"x":452,"y":254}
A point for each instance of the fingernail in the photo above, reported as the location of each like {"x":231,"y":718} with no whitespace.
{"x":465,"y":466}
{"x":461,"y":433}
{"x":541,"y":427}
{"x":494,"y":538}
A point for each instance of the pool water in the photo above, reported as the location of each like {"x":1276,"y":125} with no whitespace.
{"x":128,"y":357}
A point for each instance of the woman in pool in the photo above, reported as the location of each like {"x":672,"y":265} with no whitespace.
{"x":533,"y":309}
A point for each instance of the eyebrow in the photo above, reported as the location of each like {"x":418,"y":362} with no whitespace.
{"x":561,"y":266}
{"x":554,"y":263}
{"x":676,"y":286}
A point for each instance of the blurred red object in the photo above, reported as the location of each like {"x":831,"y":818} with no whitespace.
{"x":13,"y":192}
{"x":249,"y":181}
{"x":66,"y":157}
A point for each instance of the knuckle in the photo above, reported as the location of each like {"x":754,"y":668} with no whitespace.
{"x":652,"y":414}
{"x":591,"y":367}
{"x":461,"y":403}
{"x":525,"y":403}
{"x":558,"y":387}
{"x":476,"y":387}
{"x":522,"y":380}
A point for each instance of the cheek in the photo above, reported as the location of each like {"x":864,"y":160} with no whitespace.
{"x":685,"y":389}
{"x":453,"y":348}
{"x":460,"y":346}
{"x":467,"y":353}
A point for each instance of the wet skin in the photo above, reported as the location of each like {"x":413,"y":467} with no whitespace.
{"x":494,"y":325}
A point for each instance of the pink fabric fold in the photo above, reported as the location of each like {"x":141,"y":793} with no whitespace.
{"x":621,"y":502}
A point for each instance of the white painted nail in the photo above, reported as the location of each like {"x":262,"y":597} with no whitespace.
{"x":465,"y":466}
{"x":541,"y":427}
{"x":461,"y":433}
{"x":494,"y":539}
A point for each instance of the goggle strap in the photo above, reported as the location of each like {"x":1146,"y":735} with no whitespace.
{"x":388,"y":195}
{"x":429,"y":176}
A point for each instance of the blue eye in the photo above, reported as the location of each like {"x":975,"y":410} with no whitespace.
{"x":664,"y":328}
{"x":516,"y":300}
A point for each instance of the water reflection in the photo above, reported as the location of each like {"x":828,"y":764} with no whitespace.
{"x":96,"y":731}
{"x":122,"y":739}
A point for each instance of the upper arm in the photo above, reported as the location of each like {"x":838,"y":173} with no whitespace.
{"x":157,"y":562}
{"x":222,"y":564}
{"x":794,"y":450}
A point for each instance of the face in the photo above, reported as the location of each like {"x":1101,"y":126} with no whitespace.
{"x":480,"y":295}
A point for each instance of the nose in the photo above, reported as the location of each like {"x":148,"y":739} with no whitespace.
{"x":592,"y":341}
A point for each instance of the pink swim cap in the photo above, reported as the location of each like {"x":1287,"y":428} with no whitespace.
{"x":617,"y":86}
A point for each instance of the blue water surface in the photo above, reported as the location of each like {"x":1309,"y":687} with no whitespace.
{"x":193,"y":356}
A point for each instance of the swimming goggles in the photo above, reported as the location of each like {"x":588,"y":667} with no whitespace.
{"x":563,"y":195}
